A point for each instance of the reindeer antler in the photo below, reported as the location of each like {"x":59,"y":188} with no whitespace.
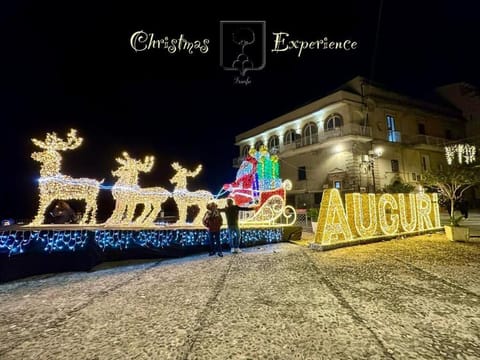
{"x":135,"y":165}
{"x":176,"y":166}
{"x":53,"y":142}
{"x":196,"y":172}
{"x":147,"y":164}
{"x":123,"y":161}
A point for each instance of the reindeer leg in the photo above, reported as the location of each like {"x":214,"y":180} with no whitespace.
{"x":130,"y":211}
{"x":182,"y":213}
{"x":93,"y":213}
{"x":157,"y":206}
{"x":88,"y":209}
{"x":93,"y":216}
{"x":117,"y":213}
{"x":42,"y":207}
{"x":147,"y":209}
{"x":198,"y":219}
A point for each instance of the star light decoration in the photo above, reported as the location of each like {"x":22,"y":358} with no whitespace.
{"x":55,"y":186}
{"x":464,"y":153}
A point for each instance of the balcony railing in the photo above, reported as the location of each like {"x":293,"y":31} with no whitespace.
{"x":348,"y":129}
{"x":394,"y":136}
{"x":425,"y":140}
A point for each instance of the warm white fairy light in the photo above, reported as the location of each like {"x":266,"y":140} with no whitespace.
{"x":424,"y":206}
{"x":450,"y":154}
{"x":464,"y":153}
{"x":371,"y":216}
{"x":469,"y":153}
{"x":273,"y":212}
{"x":128,"y":194}
{"x":435,"y":213}
{"x":185,"y":198}
{"x":407,"y":212}
{"x":362,"y":209}
{"x":55,"y":186}
{"x":387,"y":214}
{"x":332,"y":220}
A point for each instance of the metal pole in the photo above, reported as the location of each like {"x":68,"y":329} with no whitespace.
{"x":372,"y":163}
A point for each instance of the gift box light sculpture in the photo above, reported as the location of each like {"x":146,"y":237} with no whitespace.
{"x":128,"y":194}
{"x":55,"y":186}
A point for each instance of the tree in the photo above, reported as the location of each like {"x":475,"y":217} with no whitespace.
{"x":399,"y":187}
{"x":452,"y":182}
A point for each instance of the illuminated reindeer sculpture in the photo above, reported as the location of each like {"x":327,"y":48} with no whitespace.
{"x":185,"y":198}
{"x":128,"y":194}
{"x":55,"y":186}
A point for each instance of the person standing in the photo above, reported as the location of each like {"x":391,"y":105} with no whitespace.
{"x":213,"y":221}
{"x":231,"y":211}
{"x":464,"y":205}
{"x":62,"y":213}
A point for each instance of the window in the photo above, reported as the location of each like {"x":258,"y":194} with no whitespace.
{"x":309,"y":133}
{"x":332,"y":122}
{"x":390,"y":123}
{"x":393,"y":134}
{"x":302,"y":173}
{"x":317,"y":198}
{"x":289,"y":137}
{"x":245,"y":150}
{"x":258,"y":144}
{"x":337,"y":185}
{"x":421,"y":129}
{"x":395,"y":166}
{"x":273,"y":142}
{"x":425,"y":162}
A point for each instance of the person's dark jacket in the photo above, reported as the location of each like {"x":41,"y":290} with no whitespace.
{"x":213,"y":220}
{"x":231,"y":213}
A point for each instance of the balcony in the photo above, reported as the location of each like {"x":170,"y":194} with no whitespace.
{"x":394,"y":136}
{"x":425,"y":141}
{"x":342,"y":131}
{"x":323,"y":139}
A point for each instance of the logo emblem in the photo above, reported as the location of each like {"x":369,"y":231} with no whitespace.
{"x":242,"y":47}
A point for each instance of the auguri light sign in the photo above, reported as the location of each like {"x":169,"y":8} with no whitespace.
{"x":373,"y":216}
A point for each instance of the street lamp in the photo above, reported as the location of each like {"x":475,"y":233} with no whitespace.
{"x":368,"y":162}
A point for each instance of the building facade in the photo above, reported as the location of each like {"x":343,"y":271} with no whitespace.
{"x":361,"y":137}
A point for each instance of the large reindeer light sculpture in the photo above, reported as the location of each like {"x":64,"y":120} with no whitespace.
{"x":55,"y":186}
{"x":128,"y":194}
{"x":185,"y":198}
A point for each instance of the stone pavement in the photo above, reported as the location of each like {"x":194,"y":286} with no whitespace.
{"x":413,"y":298}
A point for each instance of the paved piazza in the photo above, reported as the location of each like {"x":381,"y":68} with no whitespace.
{"x":413,"y":298}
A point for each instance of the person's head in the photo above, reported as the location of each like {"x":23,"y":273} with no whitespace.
{"x":61,"y":205}
{"x":230,"y":202}
{"x":212,"y":205}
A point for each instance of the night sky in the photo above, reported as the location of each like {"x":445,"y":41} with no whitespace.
{"x":65,"y":66}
